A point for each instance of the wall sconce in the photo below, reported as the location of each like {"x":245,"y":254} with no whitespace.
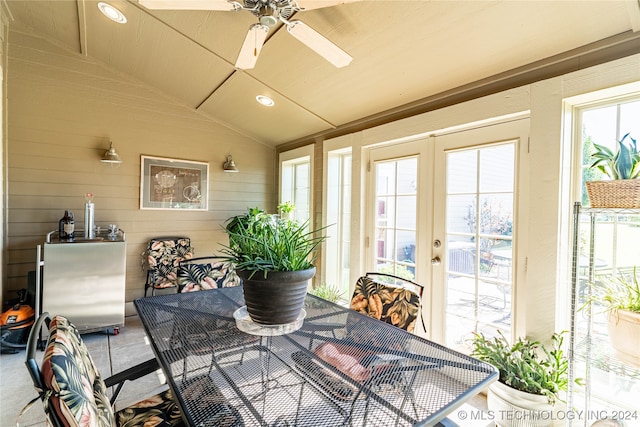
{"x":230,"y":165}
{"x":111,"y":157}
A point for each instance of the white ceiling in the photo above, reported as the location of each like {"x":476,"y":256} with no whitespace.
{"x":403,"y":52}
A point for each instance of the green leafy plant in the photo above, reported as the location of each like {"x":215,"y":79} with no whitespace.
{"x":259,"y":241}
{"x":617,"y":292}
{"x":400,"y":271}
{"x":526,"y":365}
{"x":286,"y":207}
{"x":621,"y":164}
{"x":328,"y":292}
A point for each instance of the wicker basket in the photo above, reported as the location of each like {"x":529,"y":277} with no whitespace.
{"x":622,"y":193}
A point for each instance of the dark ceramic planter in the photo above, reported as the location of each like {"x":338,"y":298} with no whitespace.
{"x":278,"y":298}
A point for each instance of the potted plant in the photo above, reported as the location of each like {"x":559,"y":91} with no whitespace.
{"x":623,"y":168}
{"x":619,"y":296}
{"x":274,"y":257}
{"x":286,"y":210}
{"x":532,"y":377}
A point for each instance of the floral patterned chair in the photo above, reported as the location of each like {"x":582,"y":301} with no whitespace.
{"x":198,"y":274}
{"x":390,"y":299}
{"x":75,"y":394}
{"x":162,"y":258}
{"x":205,"y":337}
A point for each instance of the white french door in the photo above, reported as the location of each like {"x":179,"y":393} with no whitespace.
{"x":444,"y":211}
{"x":475,"y":231}
{"x":397,"y":214}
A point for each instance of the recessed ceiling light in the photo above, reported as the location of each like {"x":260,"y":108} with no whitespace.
{"x":112,"y":13}
{"x":265,"y":100}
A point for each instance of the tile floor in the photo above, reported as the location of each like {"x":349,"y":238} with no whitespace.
{"x":112,"y":354}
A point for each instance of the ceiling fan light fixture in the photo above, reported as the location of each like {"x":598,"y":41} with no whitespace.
{"x":268,"y":20}
{"x":318,"y":43}
{"x":252,"y":46}
{"x":112,"y":13}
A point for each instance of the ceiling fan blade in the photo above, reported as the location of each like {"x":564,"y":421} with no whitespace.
{"x":188,"y":4}
{"x":318,"y":43}
{"x":317,"y":4}
{"x":252,"y":46}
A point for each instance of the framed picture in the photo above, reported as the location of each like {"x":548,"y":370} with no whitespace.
{"x":173,"y":184}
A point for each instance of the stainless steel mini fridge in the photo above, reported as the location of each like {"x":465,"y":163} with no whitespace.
{"x":84,"y":280}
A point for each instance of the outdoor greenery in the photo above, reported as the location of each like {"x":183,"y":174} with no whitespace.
{"x":286,"y":207}
{"x":617,"y":293}
{"x":259,"y":241}
{"x":328,"y":292}
{"x":621,"y":164}
{"x":526,"y":365}
{"x":399,"y":270}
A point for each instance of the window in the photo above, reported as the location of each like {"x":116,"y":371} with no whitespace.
{"x":609,"y":248}
{"x":295,"y":181}
{"x":338,"y":205}
{"x":605,"y":124}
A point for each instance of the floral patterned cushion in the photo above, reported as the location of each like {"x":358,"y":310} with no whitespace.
{"x":163,"y":258}
{"x":216,"y":274}
{"x":391,"y":304}
{"x":79,"y":395}
{"x":156,"y":411}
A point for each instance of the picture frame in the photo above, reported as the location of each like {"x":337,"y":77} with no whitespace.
{"x":173,"y":184}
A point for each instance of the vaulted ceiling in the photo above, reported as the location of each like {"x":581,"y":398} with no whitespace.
{"x":403,"y":52}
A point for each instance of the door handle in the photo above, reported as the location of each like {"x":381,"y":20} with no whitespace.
{"x":435,"y":261}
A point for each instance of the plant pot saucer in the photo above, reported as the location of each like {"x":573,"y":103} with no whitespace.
{"x":247,"y":325}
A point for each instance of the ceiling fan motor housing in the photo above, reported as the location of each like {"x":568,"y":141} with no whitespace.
{"x":269,"y":12}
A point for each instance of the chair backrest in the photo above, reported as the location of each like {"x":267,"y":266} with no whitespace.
{"x":162,"y":257}
{"x":397,"y":303}
{"x":69,"y":385}
{"x":203,"y":273}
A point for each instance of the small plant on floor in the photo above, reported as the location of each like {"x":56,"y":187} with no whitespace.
{"x":328,"y":292}
{"x":526,"y":365}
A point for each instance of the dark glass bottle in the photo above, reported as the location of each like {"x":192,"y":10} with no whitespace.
{"x":66,"y":229}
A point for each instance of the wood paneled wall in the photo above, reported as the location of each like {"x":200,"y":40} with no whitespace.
{"x":63,"y":109}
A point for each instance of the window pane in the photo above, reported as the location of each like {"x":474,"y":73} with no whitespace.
{"x":462,"y":170}
{"x":496,"y":168}
{"x":461,"y":214}
{"x":406,"y":212}
{"x":630,"y":119}
{"x":496,"y":214}
{"x":407,"y":174}
{"x":385,"y":178}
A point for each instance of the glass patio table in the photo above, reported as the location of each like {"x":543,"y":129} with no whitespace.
{"x":332,"y":367}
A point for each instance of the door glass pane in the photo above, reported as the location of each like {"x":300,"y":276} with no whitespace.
{"x":396,"y":216}
{"x":479,"y":230}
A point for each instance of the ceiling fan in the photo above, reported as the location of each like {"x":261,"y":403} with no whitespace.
{"x":269,"y":13}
